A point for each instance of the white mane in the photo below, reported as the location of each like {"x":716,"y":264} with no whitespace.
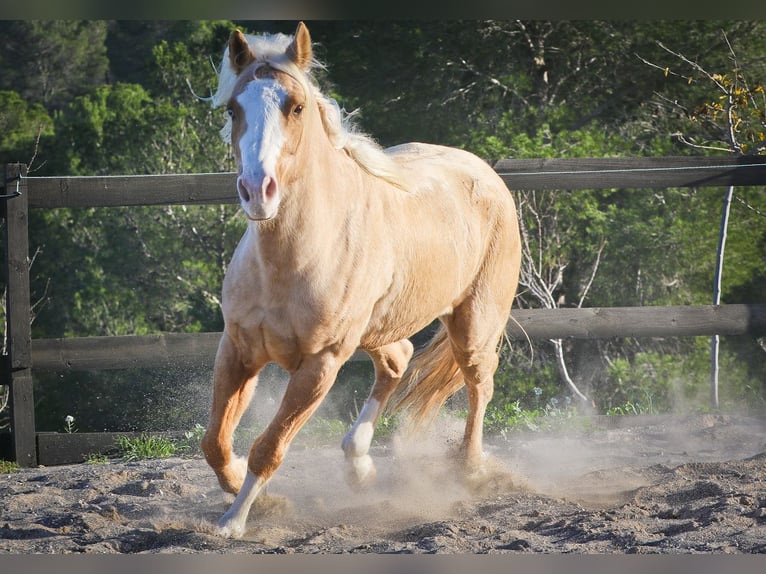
{"x":271,"y":49}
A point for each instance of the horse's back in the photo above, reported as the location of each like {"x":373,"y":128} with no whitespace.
{"x":458,"y":221}
{"x":425,"y":164}
{"x":460,"y":181}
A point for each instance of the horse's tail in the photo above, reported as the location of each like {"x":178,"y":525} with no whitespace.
{"x":431,"y":378}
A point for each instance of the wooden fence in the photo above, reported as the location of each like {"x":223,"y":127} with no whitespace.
{"x":23,"y":354}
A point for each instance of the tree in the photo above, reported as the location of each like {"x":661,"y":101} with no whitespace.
{"x":49,"y":61}
{"x":733,"y":122}
{"x":179,"y":253}
{"x":22,"y":125}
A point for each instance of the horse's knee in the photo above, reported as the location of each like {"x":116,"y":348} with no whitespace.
{"x":406,"y":350}
{"x":232,"y":474}
{"x":265,"y":457}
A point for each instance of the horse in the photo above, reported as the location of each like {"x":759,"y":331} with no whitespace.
{"x":348,"y":246}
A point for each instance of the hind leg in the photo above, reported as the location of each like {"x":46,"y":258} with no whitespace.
{"x":478,"y":370}
{"x":474,"y":333}
{"x":390,"y":363}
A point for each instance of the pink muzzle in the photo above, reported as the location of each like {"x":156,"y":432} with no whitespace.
{"x":259,"y":197}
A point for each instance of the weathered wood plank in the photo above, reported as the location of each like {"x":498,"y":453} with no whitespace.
{"x":71,"y":448}
{"x":519,"y":174}
{"x":130,"y":352}
{"x":631,"y":172}
{"x":16,"y":239}
{"x":16,"y":366}
{"x":659,"y":321}
{"x":198,"y":349}
{"x":129,"y":190}
{"x":22,"y":409}
{"x":124,"y":352}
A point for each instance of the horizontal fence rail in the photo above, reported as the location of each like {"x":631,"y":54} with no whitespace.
{"x":132,"y":190}
{"x":631,"y":172}
{"x":18,"y":192}
{"x":655,"y":321}
{"x":518,"y":174}
{"x":198,"y":349}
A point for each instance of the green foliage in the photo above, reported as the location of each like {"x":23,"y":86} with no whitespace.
{"x":145,"y":447}
{"x":531,"y":382}
{"x":8,"y":467}
{"x":96,"y":458}
{"x":189,"y":445}
{"x":50,"y":61}
{"x":138,"y":270}
{"x":22,"y":124}
{"x":505,"y":418}
{"x":322,"y":431}
{"x":678,"y":380}
{"x":631,"y":409}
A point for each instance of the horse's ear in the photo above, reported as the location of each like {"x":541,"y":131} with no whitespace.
{"x":239,"y":51}
{"x":299,"y":50}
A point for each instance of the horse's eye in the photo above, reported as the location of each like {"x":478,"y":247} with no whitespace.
{"x":297,"y":110}
{"x":230,"y":111}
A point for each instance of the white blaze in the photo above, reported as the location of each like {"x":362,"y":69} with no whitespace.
{"x":260,"y":146}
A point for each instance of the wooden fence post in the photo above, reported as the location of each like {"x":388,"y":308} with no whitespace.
{"x":17,"y":362}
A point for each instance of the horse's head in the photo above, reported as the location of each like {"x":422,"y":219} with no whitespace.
{"x":267,"y":106}
{"x":275,"y":109}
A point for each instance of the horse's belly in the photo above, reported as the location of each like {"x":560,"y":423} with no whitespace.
{"x":402,"y":314}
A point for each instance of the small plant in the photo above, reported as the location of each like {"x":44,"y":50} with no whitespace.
{"x":96,"y":458}
{"x":7,"y":467}
{"x":385,"y":428}
{"x":145,"y":447}
{"x":69,"y":424}
{"x":320,"y":430}
{"x":509,"y":417}
{"x":189,"y":445}
{"x":632,"y":408}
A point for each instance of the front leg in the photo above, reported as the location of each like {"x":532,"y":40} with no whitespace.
{"x":305,"y":391}
{"x":233,"y":387}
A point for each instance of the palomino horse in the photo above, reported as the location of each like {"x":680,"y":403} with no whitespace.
{"x":348,"y":246}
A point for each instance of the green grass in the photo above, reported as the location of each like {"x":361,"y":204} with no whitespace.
{"x":633,"y":408}
{"x":509,"y":417}
{"x":146,"y":447}
{"x":96,"y":458}
{"x":7,"y":467}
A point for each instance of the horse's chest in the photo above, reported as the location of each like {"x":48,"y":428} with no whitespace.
{"x":282,"y":326}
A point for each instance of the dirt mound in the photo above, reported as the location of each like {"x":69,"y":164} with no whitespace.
{"x":616,"y":485}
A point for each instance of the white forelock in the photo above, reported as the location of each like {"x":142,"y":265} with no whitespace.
{"x":266,"y":48}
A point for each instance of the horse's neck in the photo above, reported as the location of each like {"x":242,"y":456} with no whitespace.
{"x":313,"y":213}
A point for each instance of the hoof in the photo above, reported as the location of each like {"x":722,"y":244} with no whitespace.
{"x":492,"y":478}
{"x":360,"y":472}
{"x":230,"y":529}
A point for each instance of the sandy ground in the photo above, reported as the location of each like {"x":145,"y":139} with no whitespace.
{"x":642,"y":485}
